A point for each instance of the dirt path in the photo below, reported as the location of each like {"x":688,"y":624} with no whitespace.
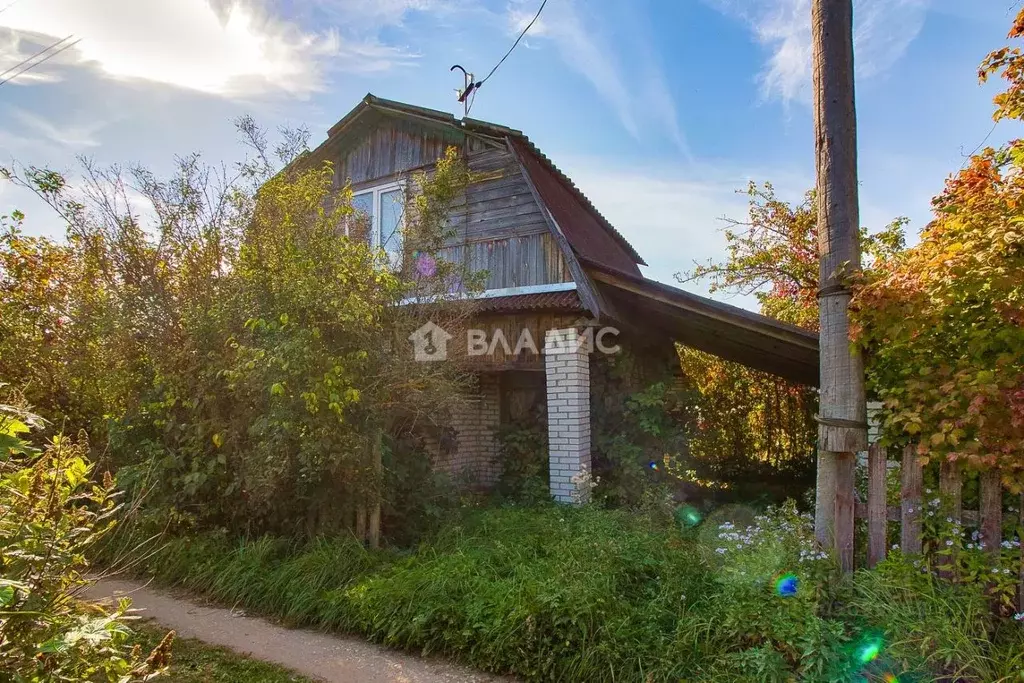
{"x":328,"y":657}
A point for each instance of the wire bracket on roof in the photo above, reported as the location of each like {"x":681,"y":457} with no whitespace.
{"x":467,"y":88}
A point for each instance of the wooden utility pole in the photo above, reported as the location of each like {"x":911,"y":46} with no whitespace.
{"x":842,"y":430}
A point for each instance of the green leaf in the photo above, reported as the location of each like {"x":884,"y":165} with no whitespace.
{"x":7,"y":594}
{"x":9,"y":445}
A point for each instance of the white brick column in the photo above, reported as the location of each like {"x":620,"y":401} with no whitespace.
{"x":567,"y":366}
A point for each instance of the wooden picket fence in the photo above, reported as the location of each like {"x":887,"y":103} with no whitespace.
{"x":909,"y":514}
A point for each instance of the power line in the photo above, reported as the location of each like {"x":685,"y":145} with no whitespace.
{"x":29,"y":66}
{"x":30,"y":58}
{"x":473,"y":87}
{"x":515,"y":44}
{"x":8,"y":6}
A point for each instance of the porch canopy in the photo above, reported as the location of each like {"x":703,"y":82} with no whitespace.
{"x":729,"y":332}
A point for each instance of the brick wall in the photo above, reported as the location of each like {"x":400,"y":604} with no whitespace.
{"x":474,"y":459}
{"x":567,"y":368}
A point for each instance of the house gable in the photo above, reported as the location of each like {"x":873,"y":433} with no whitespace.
{"x":521,"y":219}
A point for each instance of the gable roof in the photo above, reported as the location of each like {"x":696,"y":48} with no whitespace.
{"x":588,"y":232}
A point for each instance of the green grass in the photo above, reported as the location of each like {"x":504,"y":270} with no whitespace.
{"x":593,"y":595}
{"x":193,"y":661}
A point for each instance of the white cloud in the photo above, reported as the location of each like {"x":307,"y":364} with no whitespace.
{"x":672,"y":214}
{"x":883,"y":30}
{"x":70,"y":135}
{"x":232,"y":48}
{"x":372,"y":13}
{"x":595,"y":46}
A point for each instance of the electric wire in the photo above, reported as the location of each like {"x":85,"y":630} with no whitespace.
{"x":28,"y":64}
{"x":476,"y":86}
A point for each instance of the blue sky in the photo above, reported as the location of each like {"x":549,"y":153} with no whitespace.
{"x":658,"y":109}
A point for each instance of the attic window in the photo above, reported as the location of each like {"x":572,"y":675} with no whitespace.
{"x":379,"y":213}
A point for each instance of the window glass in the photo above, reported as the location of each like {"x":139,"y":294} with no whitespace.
{"x":392,"y":204}
{"x":363,"y":219}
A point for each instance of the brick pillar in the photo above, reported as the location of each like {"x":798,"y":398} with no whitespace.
{"x":567,"y":366}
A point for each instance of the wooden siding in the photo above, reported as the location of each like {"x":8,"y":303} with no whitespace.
{"x":511,"y":327}
{"x":513,"y":261}
{"x":499,"y":203}
{"x":497,"y":224}
{"x":390,"y":148}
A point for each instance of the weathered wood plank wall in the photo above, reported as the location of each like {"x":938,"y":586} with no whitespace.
{"x":387,"y":146}
{"x":514,"y":261}
{"x":497,"y":224}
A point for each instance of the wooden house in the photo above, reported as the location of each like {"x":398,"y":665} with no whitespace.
{"x":555,"y":267}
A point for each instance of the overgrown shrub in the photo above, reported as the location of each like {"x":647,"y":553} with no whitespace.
{"x":523,"y":448}
{"x":234,"y":352}
{"x":51,"y":514}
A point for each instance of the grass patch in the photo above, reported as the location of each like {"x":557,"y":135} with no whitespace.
{"x":193,"y":661}
{"x":567,"y":594}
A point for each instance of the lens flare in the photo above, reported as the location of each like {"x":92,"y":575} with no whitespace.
{"x":891,"y":678}
{"x":786,"y":585}
{"x":868,"y":651}
{"x":687,"y":515}
{"x":653,"y":465}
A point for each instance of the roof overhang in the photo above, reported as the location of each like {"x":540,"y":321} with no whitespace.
{"x":728,"y":332}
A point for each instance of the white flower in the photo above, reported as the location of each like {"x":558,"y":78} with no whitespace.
{"x":995,"y":570}
{"x":895,"y":546}
{"x":970,"y":546}
{"x":949,"y":543}
{"x":1006,"y":571}
{"x":949,"y":520}
{"x":928,"y":491}
{"x":720,"y":551}
{"x":1019,"y":616}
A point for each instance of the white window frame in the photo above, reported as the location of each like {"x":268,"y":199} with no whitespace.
{"x":377,"y":191}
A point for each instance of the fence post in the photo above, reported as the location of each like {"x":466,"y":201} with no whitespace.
{"x":846,"y":464}
{"x":877,"y":520}
{"x":1020,"y":536}
{"x":910,"y":498}
{"x":951,"y":487}
{"x":991,"y":511}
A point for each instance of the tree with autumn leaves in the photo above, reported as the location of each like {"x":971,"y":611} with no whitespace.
{"x":749,"y":419}
{"x":943,"y":322}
